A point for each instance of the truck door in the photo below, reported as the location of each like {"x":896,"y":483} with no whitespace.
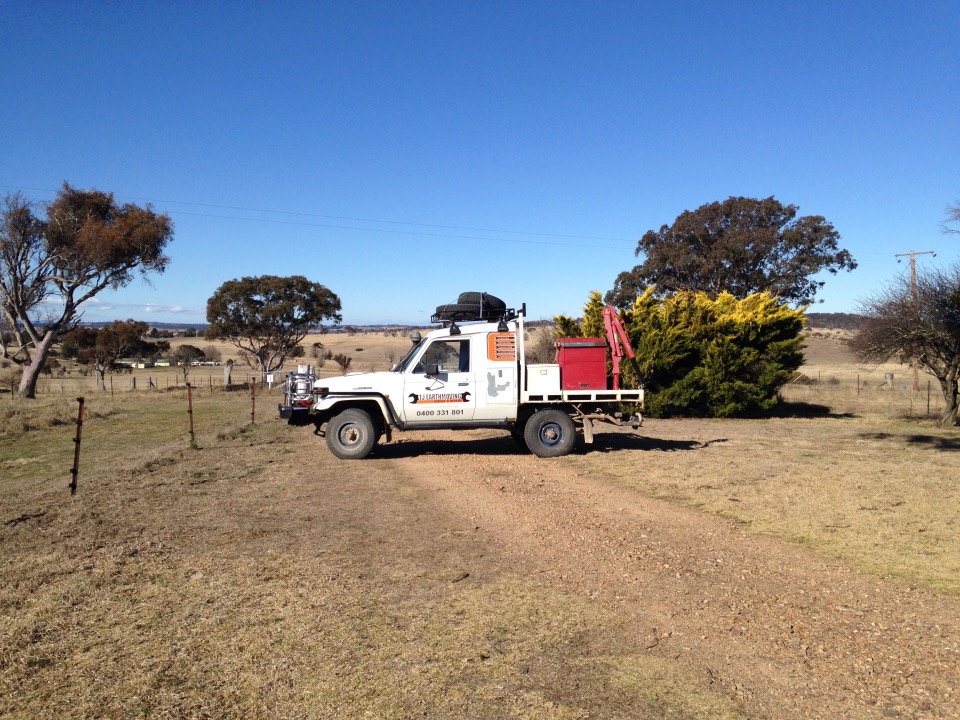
{"x":441,"y":386}
{"x":496,"y":377}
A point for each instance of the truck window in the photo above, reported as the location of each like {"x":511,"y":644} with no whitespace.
{"x":403,"y":364}
{"x":450,"y":356}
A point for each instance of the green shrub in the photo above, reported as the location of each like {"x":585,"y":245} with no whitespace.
{"x":704,"y":357}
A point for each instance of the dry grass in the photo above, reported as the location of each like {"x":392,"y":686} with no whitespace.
{"x":881,"y":494}
{"x":254,"y":577}
{"x":226,"y":582}
{"x":865,"y":476}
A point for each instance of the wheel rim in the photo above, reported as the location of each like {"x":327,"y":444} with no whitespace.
{"x":349,"y":435}
{"x":551,"y":434}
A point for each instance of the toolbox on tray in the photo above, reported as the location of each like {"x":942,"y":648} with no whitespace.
{"x":583,"y":363}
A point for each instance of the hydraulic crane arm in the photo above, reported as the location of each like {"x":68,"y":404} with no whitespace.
{"x":619,"y":343}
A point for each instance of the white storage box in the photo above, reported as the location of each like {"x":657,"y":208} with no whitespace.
{"x":543,"y":379}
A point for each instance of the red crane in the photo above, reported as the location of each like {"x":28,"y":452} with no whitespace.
{"x":619,"y":343}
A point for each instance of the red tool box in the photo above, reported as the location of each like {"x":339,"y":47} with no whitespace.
{"x":583,"y":363}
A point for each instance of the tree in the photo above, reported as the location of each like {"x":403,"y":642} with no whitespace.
{"x":104,"y":346}
{"x":266,"y":317}
{"x":919,"y":320}
{"x":741,"y":246}
{"x":87,"y":244}
{"x":23,"y":276}
{"x":185,"y":356}
{"x":953,"y":218}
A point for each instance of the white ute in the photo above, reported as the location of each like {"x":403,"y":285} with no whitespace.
{"x":472,"y":373}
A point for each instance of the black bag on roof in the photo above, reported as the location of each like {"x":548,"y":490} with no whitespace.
{"x":471,"y":306}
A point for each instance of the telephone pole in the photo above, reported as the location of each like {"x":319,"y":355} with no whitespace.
{"x":913,"y":296}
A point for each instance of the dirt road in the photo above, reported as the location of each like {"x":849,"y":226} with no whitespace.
{"x":766,"y":624}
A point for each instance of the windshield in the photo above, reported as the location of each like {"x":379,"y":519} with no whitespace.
{"x":402,"y":365}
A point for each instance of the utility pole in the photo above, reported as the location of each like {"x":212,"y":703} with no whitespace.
{"x":913,"y":296}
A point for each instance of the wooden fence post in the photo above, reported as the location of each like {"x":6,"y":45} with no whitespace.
{"x":193,"y":438}
{"x":76,"y":449}
{"x":253,"y":402}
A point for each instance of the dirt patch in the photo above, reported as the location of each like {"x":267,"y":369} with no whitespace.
{"x":783,"y":632}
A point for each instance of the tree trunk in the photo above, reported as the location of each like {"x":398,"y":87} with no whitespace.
{"x":950,"y":397}
{"x":31,"y":372}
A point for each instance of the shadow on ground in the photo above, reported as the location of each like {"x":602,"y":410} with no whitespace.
{"x":805,"y":410}
{"x":506,"y":445}
{"x":613,"y":442}
{"x":935,"y":442}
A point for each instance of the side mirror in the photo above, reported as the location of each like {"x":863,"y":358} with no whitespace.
{"x":433,"y":369}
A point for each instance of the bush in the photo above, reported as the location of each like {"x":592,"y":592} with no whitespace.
{"x":703,"y":357}
{"x":343,"y":361}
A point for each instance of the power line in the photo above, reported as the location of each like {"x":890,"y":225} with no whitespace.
{"x":367,"y":220}
{"x":400,"y":232}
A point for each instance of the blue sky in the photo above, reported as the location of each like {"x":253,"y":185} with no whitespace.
{"x":403,"y":152}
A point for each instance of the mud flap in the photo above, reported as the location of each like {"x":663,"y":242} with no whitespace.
{"x":588,"y":431}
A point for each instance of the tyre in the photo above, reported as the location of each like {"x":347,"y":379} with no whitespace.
{"x":351,"y":435}
{"x":457,"y":311}
{"x":475,"y":298}
{"x":469,"y":307}
{"x":550,"y":433}
{"x":516,"y":432}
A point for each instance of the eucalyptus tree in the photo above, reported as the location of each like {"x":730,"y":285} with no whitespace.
{"x":49,"y":268}
{"x":741,"y":246}
{"x":266,"y":317}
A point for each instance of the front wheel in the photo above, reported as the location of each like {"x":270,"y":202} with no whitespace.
{"x":550,"y":433}
{"x":351,"y":435}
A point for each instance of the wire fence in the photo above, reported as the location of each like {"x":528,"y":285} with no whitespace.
{"x":866,"y":393}
{"x":126,"y":383}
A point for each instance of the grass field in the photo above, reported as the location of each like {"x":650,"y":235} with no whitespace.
{"x":207,"y":581}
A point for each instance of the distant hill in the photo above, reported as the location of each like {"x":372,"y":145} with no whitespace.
{"x":834,"y":321}
{"x":199,"y":327}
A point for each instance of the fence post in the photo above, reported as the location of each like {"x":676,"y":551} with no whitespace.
{"x":76,"y":449}
{"x":253,"y":402}
{"x":193,"y":438}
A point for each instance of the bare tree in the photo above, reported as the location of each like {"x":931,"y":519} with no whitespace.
{"x":24,"y":275}
{"x":917,"y":320}
{"x":953,"y":218}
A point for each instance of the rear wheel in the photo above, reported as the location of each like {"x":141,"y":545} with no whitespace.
{"x":351,"y":435}
{"x":550,"y":433}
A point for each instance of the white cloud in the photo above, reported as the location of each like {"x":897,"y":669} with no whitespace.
{"x":175,"y":309}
